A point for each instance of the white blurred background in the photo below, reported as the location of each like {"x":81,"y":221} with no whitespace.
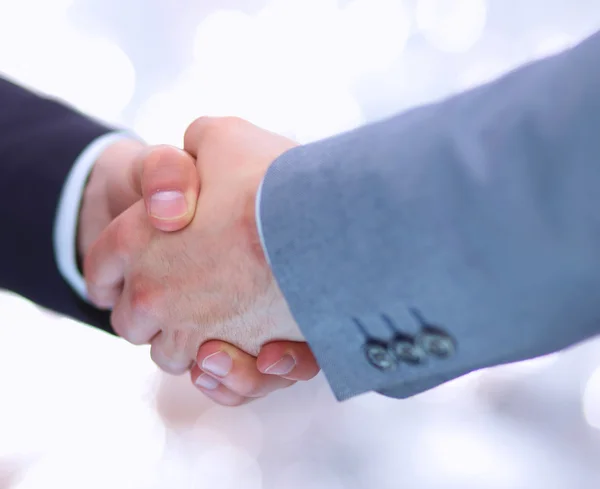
{"x":81,"y":409}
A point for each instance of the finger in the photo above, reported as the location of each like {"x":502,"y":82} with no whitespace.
{"x":212,"y":388}
{"x":288,"y":359}
{"x":105,"y":298}
{"x":134,"y":318}
{"x":169,"y":184}
{"x":196,"y":132}
{"x":237,"y":370}
{"x":213,"y":142}
{"x":107,"y":259}
{"x":168,"y":351}
{"x":217,"y":143}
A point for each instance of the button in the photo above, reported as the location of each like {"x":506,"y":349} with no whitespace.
{"x":436,"y":343}
{"x":380,"y":356}
{"x":407,"y":350}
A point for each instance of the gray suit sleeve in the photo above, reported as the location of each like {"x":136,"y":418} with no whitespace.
{"x":456,"y":236}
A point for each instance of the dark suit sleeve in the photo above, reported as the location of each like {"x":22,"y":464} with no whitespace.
{"x":40,"y":139}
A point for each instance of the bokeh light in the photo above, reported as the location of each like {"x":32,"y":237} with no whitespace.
{"x":591,"y":400}
{"x":83,"y":409}
{"x":280,"y":85}
{"x":451,"y":26}
{"x":302,"y":476}
{"x":462,"y":455}
{"x":373,"y":37}
{"x":93,"y":74}
{"x":550,"y":43}
{"x":482,"y":72}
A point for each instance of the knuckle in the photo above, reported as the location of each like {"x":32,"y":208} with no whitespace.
{"x":213,"y":128}
{"x":211,"y":131}
{"x":197,"y":128}
{"x":231,"y":123}
{"x":230,"y":127}
{"x":131,"y":319}
{"x":178,"y":345}
{"x":146,"y":299}
{"x":179,"y":339}
{"x":201,"y":122}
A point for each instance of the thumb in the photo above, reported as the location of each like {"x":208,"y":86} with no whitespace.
{"x":167,"y":179}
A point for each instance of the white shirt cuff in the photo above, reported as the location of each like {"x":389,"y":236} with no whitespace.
{"x":259,"y":222}
{"x":67,"y":213}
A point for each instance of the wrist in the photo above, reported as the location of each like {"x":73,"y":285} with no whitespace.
{"x":255,"y":184}
{"x":258,"y":222}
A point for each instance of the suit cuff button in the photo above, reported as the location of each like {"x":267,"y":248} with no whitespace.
{"x":437,"y":344}
{"x":379,"y":356}
{"x":407,"y":350}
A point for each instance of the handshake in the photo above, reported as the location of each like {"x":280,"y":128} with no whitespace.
{"x":476,"y":215}
{"x":171,"y":245}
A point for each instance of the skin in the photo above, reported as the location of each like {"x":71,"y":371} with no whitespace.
{"x":237,"y":350}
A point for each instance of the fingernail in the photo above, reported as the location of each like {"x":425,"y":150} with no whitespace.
{"x":168,"y":205}
{"x":207,"y":382}
{"x":219,"y":364}
{"x":284,"y":366}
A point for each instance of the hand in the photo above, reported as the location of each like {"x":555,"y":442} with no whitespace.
{"x":210,"y":280}
{"x":111,"y":189}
